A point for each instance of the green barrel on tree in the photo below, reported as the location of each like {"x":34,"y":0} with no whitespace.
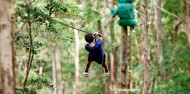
{"x":125,"y":11}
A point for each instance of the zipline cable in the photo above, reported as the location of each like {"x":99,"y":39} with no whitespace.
{"x":105,"y":26}
{"x":84,"y":30}
{"x":71,"y":26}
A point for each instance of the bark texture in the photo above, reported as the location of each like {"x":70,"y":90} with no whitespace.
{"x":6,"y":64}
{"x":123,"y":84}
{"x":159,"y":32}
{"x":76,"y":61}
{"x":144,"y":56}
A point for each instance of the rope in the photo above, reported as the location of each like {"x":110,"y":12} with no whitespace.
{"x":71,"y":26}
{"x":130,"y":13}
{"x":84,"y":30}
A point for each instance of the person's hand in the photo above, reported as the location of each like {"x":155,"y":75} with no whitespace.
{"x":99,"y":34}
{"x":95,"y":33}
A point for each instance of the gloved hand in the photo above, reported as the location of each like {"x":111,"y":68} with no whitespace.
{"x":100,"y":35}
{"x":97,"y":34}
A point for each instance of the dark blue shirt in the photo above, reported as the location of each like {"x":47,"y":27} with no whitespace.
{"x":95,"y":53}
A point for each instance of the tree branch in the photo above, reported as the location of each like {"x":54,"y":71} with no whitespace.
{"x":162,"y":9}
{"x":20,"y":28}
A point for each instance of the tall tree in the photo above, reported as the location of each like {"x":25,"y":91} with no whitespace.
{"x":77,"y":47}
{"x":57,"y":76}
{"x":30,"y":55}
{"x":12,"y":35}
{"x":6,"y":63}
{"x":177,"y":23}
{"x":152,"y":14}
{"x":187,"y":19}
{"x":152,"y":21}
{"x":123,"y":60}
{"x":159,"y":32}
{"x":144,"y":56}
{"x":76,"y":61}
{"x":131,"y":65}
{"x":113,"y":56}
{"x":159,"y":36}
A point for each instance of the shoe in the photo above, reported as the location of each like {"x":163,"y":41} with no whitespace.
{"x":107,"y":74}
{"x":85,"y":74}
{"x":133,"y":30}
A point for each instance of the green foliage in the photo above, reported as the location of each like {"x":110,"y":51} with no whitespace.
{"x":175,"y":65}
{"x":55,"y":7}
{"x":97,"y":88}
{"x":38,"y":83}
{"x":174,"y":6}
{"x":27,"y":12}
{"x":46,"y":31}
{"x":182,"y":38}
{"x":46,"y":17}
{"x":178,"y":84}
{"x":34,"y":85}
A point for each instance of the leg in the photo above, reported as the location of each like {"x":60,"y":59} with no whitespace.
{"x":132,"y":28}
{"x":104,"y":64}
{"x":85,"y":73}
{"x":87,"y":66}
{"x":105,"y":67}
{"x":107,"y":74}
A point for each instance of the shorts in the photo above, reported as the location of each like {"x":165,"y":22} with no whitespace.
{"x":100,"y":60}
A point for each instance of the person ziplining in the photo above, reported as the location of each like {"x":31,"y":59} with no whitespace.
{"x":126,"y":13}
{"x":95,"y":52}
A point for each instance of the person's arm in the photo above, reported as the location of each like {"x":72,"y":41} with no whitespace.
{"x":86,"y":48}
{"x":99,"y":42}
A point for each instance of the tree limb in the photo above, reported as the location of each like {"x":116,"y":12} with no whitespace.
{"x":164,"y":10}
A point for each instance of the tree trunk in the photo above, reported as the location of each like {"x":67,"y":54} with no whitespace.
{"x":108,"y":80}
{"x":6,"y":64}
{"x":30,"y":56}
{"x":57,"y":76}
{"x":77,"y":46}
{"x":144,"y":57}
{"x":187,"y":19}
{"x":159,"y":32}
{"x":124,"y":60}
{"x":105,"y":31}
{"x":152,"y":14}
{"x":131,"y":66}
{"x":113,"y":57}
{"x":177,"y":23}
{"x":76,"y":62}
{"x":159,"y":40}
{"x":54,"y":71}
{"x":152,"y":22}
{"x":0,"y":76}
{"x":113,"y":63}
{"x":12,"y":44}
